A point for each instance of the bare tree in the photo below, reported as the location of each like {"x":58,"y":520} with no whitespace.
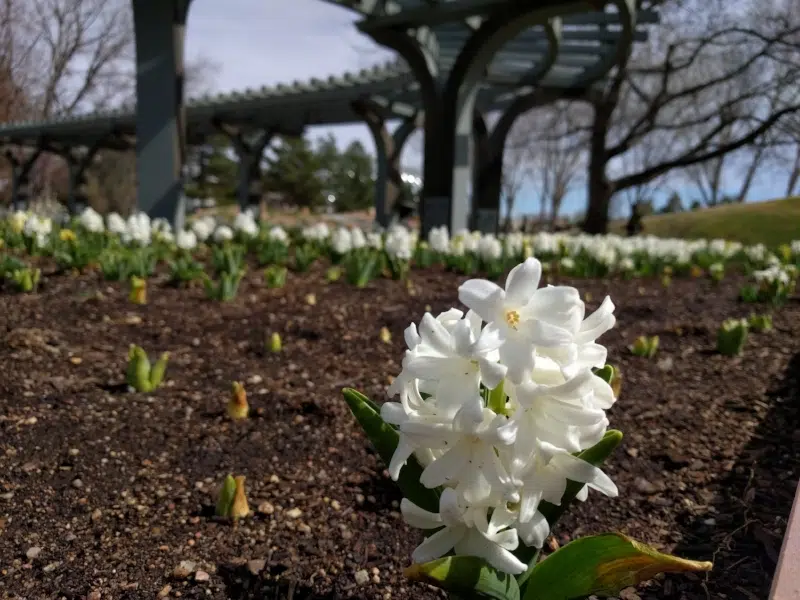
{"x":556,"y":156}
{"x":78,"y":54}
{"x":669,"y":91}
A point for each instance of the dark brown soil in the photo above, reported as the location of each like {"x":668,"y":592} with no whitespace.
{"x":114,"y":488}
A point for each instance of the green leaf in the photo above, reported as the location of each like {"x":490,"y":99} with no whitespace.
{"x":602,"y":565}
{"x":467,"y":577}
{"x":225,"y":499}
{"x":385,"y":439}
{"x":596,"y":455}
{"x":606,"y":373}
{"x":157,"y":371}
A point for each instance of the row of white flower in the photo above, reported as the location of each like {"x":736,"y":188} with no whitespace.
{"x":613,"y":251}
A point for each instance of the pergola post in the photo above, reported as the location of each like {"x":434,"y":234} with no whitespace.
{"x":449,"y":101}
{"x":160,"y":111}
{"x":488,"y":177}
{"x":388,"y":148}
{"x":77,"y":163}
{"x":249,"y":149}
{"x":20,"y":177}
{"x":490,"y":149}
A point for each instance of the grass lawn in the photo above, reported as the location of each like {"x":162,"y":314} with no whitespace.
{"x":772,"y":223}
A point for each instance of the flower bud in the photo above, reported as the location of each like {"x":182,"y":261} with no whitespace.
{"x":138,"y":293}
{"x":138,"y":372}
{"x":275,"y":345}
{"x":239,"y":508}
{"x":760,"y":323}
{"x":238,"y":408}
{"x":158,"y":370}
{"x":731,"y":337}
{"x":333,"y":274}
{"x":225,"y":497}
{"x":645,"y":346}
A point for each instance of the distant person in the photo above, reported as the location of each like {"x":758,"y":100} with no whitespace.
{"x":635,"y":224}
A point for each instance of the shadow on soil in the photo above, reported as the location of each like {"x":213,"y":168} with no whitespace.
{"x":744,"y":531}
{"x":242,"y":584}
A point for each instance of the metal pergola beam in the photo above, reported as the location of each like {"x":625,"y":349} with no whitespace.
{"x":447,"y":12}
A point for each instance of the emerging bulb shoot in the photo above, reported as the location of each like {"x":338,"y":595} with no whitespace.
{"x":275,"y":344}
{"x":138,"y":293}
{"x":238,"y":408}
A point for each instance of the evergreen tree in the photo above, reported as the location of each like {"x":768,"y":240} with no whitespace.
{"x":351,"y":179}
{"x":293,"y":170}
{"x":212,"y":170}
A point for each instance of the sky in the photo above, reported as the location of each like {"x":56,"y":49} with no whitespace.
{"x":262,"y":42}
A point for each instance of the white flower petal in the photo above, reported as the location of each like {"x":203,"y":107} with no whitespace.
{"x":483,"y":297}
{"x":419,"y":517}
{"x":439,"y":544}
{"x":522,"y":282}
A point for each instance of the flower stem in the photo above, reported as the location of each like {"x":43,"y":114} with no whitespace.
{"x":497,"y":399}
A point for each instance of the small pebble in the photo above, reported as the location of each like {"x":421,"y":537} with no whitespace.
{"x":33,"y":552}
{"x":184,"y":569}
{"x":266,"y":508}
{"x":51,"y":567}
{"x":77,"y":483}
{"x":362,"y":577}
{"x":294,"y":513}
{"x":201,"y":576}
{"x":256,"y":566}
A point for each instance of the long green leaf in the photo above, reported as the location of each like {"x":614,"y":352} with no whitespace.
{"x":385,"y":439}
{"x":602,"y":565}
{"x":596,"y":455}
{"x":466,"y":577}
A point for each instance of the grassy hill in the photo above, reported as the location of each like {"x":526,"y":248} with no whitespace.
{"x":771,"y":223}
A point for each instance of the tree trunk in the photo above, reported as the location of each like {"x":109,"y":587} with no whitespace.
{"x":600,"y":188}
{"x":794,"y":174}
{"x":556,"y":208}
{"x":750,"y":174}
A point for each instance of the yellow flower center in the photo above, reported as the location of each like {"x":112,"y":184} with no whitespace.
{"x":512,"y":319}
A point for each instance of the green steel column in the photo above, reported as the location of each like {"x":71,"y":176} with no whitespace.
{"x":20,"y":178}
{"x":160,"y":111}
{"x":250,"y":152}
{"x":388,"y":148}
{"x":487,"y":177}
{"x":77,"y":163}
{"x":449,"y":101}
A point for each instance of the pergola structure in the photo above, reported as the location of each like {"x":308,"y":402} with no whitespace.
{"x":461,"y":60}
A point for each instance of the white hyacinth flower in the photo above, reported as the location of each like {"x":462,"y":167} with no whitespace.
{"x":494,"y":412}
{"x":465,"y":530}
{"x":115,"y":223}
{"x":186,"y":239}
{"x":278,"y":234}
{"x":203,"y":228}
{"x":543,"y":475}
{"x":523,"y":317}
{"x":223,"y":233}
{"x":245,"y":223}
{"x":91,"y":220}
{"x":454,"y":358}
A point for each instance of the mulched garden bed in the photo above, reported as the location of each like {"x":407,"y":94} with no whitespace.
{"x":104,"y":493}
